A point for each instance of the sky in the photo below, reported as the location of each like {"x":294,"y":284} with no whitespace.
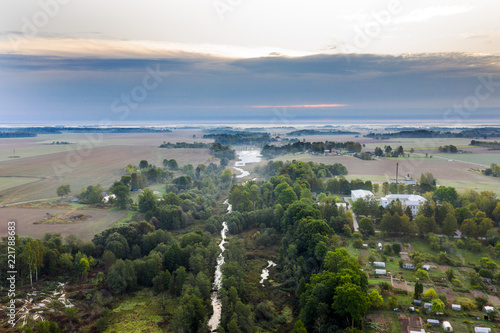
{"x":274,"y":61}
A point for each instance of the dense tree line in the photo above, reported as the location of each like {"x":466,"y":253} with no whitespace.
{"x":271,"y":151}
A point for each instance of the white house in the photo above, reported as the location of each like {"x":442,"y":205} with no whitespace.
{"x":108,"y":197}
{"x":426,"y":267}
{"x":341,"y":204}
{"x":489,"y":309}
{"x":434,"y":322}
{"x":360,"y":194}
{"x":408,"y":200}
{"x":427,"y":305}
{"x":408,"y":266}
{"x":380,"y":272}
{"x":447,"y":326}
{"x":456,"y":307}
{"x":482,"y":329}
{"x":379,"y":264}
{"x":421,"y":331}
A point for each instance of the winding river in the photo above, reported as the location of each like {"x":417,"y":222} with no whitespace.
{"x":245,"y":157}
{"x":216,"y":303}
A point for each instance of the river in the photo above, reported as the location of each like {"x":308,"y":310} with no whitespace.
{"x":245,"y":157}
{"x":216,"y":304}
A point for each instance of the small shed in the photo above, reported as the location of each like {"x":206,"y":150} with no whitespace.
{"x":417,"y":302}
{"x":380,"y":272}
{"x":434,"y":322}
{"x":408,"y":266}
{"x":456,"y":307}
{"x":412,"y":309}
{"x":426,"y":267}
{"x":427,"y":305}
{"x":447,"y":326}
{"x":421,"y":331}
{"x":379,"y":246}
{"x":379,"y":264}
{"x":489,"y":309}
{"x":482,"y":329}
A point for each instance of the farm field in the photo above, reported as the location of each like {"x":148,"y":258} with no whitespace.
{"x":85,"y":230}
{"x":10,"y":182}
{"x":82,"y":168}
{"x":386,"y":167}
{"x":480,"y":159}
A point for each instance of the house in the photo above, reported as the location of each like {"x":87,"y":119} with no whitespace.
{"x":417,"y":302}
{"x":411,"y":308}
{"x":456,"y":307}
{"x":380,"y":272}
{"x":341,"y":204}
{"x":408,"y":266}
{"x":74,"y":199}
{"x":426,"y":267}
{"x":427,"y":305}
{"x":482,"y":330}
{"x":421,"y":331}
{"x":108,"y":197}
{"x":406,"y":181}
{"x":379,"y":245}
{"x":447,"y":326}
{"x":434,"y":322}
{"x":360,"y":194}
{"x":379,"y":264}
{"x":489,"y":309}
{"x":408,"y":200}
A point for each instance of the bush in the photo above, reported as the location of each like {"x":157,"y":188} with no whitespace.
{"x":357,"y":243}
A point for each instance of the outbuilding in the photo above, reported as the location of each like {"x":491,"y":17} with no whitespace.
{"x":456,"y":307}
{"x":489,"y":309}
{"x":426,"y":267}
{"x":482,"y":330}
{"x":417,"y":302}
{"x":427,"y":305}
{"x":434,"y":322}
{"x":408,"y":266}
{"x":447,"y":326}
{"x":379,"y":264}
{"x":380,"y":272}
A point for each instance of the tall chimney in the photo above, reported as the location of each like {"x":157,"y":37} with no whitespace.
{"x":397,"y":167}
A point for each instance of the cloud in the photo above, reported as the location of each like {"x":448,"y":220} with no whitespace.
{"x":208,"y":87}
{"x":424,"y":14}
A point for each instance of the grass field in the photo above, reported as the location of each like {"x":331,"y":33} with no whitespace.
{"x":11,"y":182}
{"x":101,"y":164}
{"x":479,"y":159}
{"x":85,"y":230}
{"x":383,"y":169}
{"x":139,"y":312}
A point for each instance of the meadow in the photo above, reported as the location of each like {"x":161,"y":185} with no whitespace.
{"x":42,"y":168}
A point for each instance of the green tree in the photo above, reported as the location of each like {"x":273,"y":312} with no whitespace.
{"x":422,"y":274}
{"x":147,"y":201}
{"x":351,"y":301}
{"x":437,"y":305}
{"x":430,"y":294}
{"x":122,"y":199}
{"x":143,"y":164}
{"x":366,"y":227}
{"x":299,"y":327}
{"x":419,"y":289}
{"x":63,"y":190}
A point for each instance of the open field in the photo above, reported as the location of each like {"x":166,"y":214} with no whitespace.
{"x":85,"y":230}
{"x":10,"y":182}
{"x":479,"y":159}
{"x":441,"y":169}
{"x":100,"y":164}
